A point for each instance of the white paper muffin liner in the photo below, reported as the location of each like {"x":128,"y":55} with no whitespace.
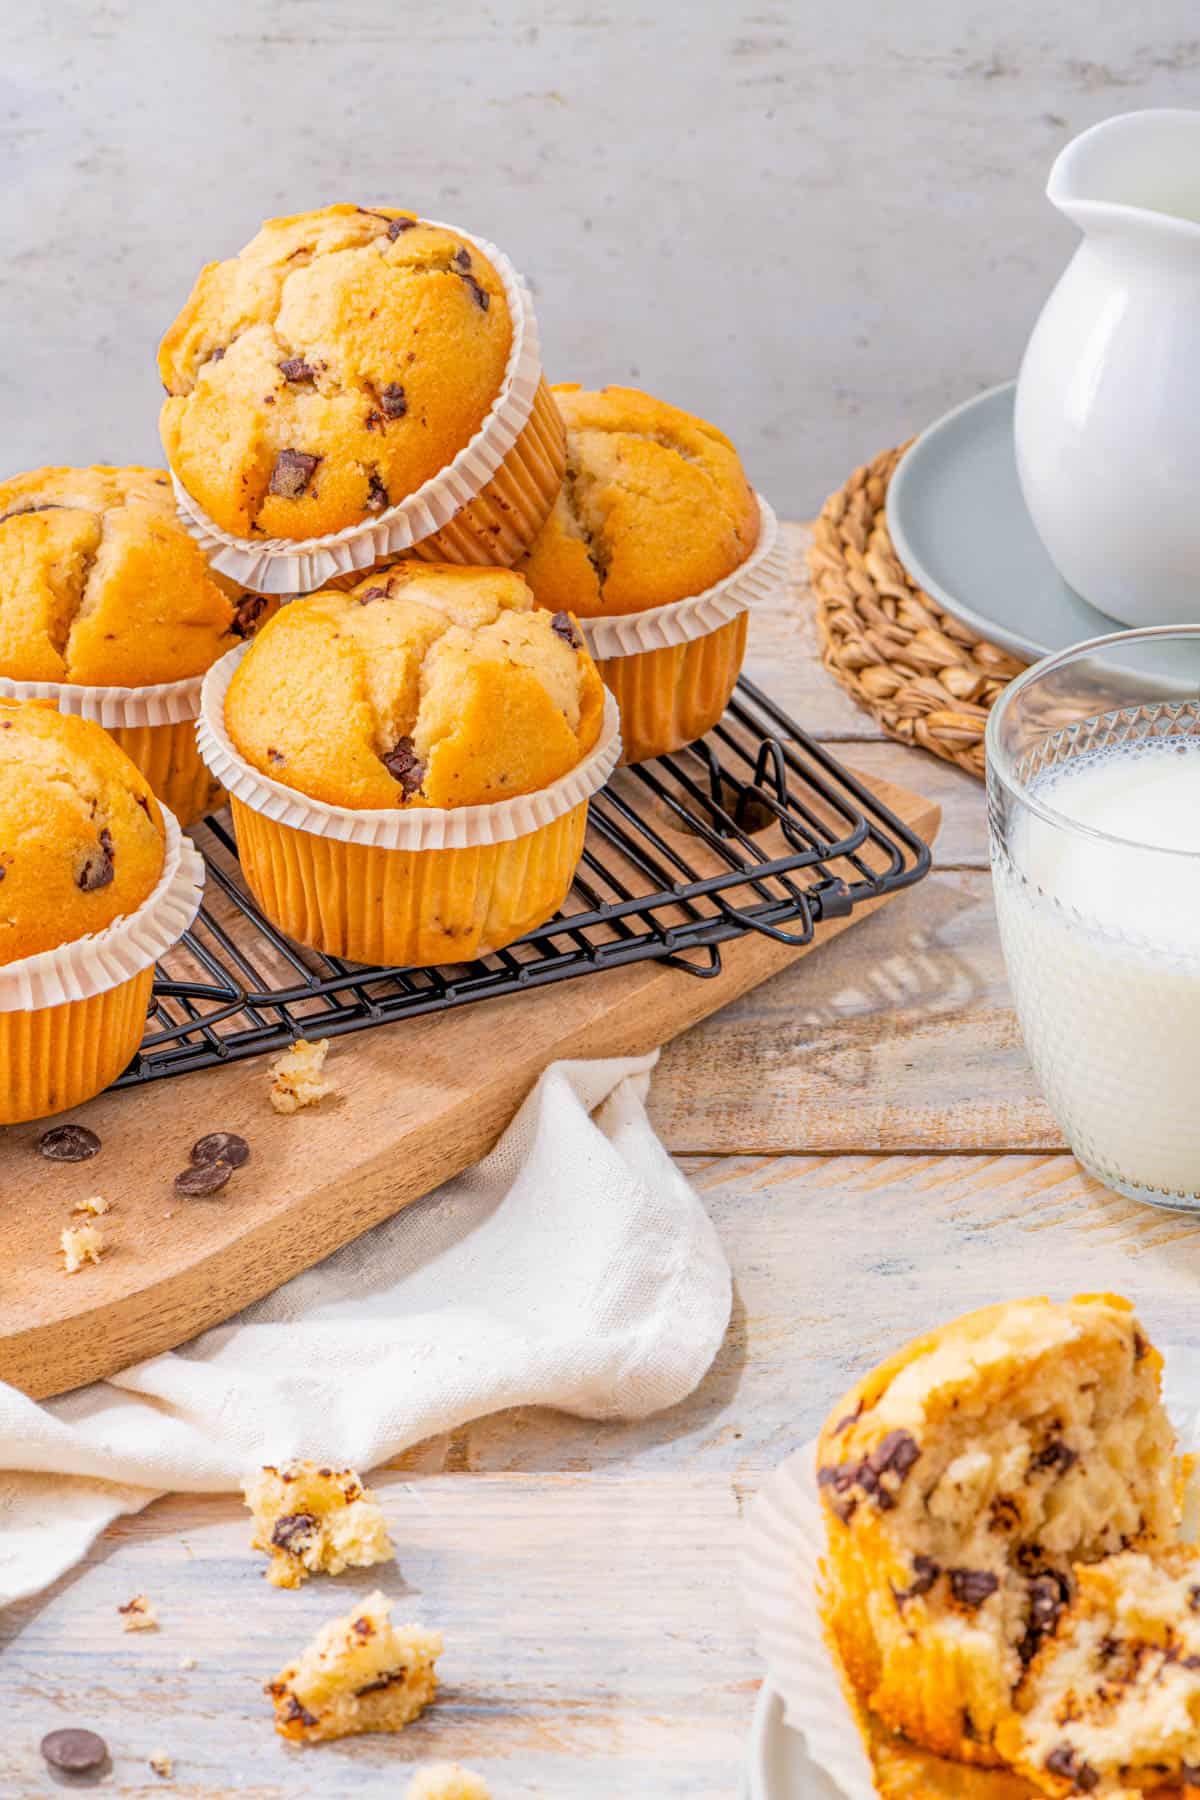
{"x":782,"y":1553}
{"x":166,"y":703}
{"x":91,"y":965}
{"x":301,"y":565}
{"x":408,"y":828}
{"x":682,"y":621}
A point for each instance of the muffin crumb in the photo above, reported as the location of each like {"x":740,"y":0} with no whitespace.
{"x":187,"y":1662}
{"x":314,"y":1519}
{"x":94,"y":1204}
{"x":446,"y":1781}
{"x":138,"y":1614}
{"x":360,"y":1673}
{"x":163,"y":1764}
{"x":296,"y":1076}
{"x":80,"y":1244}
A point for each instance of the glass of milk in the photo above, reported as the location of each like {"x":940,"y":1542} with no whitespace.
{"x":1094,"y":814}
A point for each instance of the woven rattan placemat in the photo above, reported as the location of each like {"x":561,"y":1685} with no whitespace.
{"x":925,"y":677}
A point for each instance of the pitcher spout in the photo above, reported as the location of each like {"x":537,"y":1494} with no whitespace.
{"x":1137,"y":173}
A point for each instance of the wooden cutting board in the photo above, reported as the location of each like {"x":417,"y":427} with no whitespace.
{"x":416,"y":1102}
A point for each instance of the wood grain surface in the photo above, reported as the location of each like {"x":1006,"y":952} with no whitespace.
{"x":894,"y":1167}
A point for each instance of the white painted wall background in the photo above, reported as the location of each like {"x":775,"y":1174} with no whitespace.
{"x":819,"y":225}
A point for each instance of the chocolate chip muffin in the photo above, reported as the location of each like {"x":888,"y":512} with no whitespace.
{"x":101,"y":585}
{"x":312,"y":1519}
{"x":1111,"y":1702}
{"x":654,"y":507}
{"x":963,"y":1481}
{"x":330,"y":368}
{"x":81,"y":834}
{"x":423,"y":686}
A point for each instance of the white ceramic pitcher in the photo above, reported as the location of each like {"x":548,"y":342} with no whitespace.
{"x":1108,"y":401}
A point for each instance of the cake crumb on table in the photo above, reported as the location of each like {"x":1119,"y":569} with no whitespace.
{"x":187,"y":1662}
{"x":138,"y":1614}
{"x":360,"y":1673}
{"x":446,"y":1781}
{"x":163,"y":1764}
{"x":94,"y":1204}
{"x":80,"y":1244}
{"x":297,"y":1080}
{"x":314,"y":1519}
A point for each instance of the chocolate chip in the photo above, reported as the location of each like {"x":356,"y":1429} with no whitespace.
{"x":384,"y":1681}
{"x":925,"y":1573}
{"x":363,"y":1628}
{"x":969,"y":1728}
{"x":202,"y":1179}
{"x":563,"y":626}
{"x":1065,"y":1761}
{"x":407,"y":768}
{"x":480,"y":295}
{"x":74,"y":1751}
{"x":374,"y":421}
{"x":250,"y":610}
{"x":221,"y":1146}
{"x":294,"y":1711}
{"x":1140,"y":1346}
{"x":1193,"y":1599}
{"x":292,"y":1530}
{"x":274,"y":755}
{"x":96,"y":869}
{"x":296,"y":369}
{"x":396,"y":226}
{"x":372,"y":593}
{"x":377,"y":495}
{"x":217,"y":354}
{"x":3,"y":871}
{"x":1048,"y":1594}
{"x":293,"y":471}
{"x":68,"y":1143}
{"x":393,"y":401}
{"x":971,"y":1587}
{"x":1056,"y":1455}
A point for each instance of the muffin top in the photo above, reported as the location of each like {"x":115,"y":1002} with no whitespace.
{"x":425,"y":685}
{"x":324,"y":373}
{"x":654,"y":507}
{"x":100,"y":583}
{"x":81,"y":834}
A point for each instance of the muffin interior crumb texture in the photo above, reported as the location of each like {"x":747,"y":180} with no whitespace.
{"x":446,"y":1781}
{"x":965,"y":1483}
{"x":1112,"y":1701}
{"x":101,"y":584}
{"x":296,"y":1076}
{"x":425,"y":685}
{"x":328,"y":370}
{"x":81,"y":1244}
{"x":360,"y":1673}
{"x":311,"y":1518}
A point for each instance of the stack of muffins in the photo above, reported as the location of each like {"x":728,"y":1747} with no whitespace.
{"x":397,"y":597}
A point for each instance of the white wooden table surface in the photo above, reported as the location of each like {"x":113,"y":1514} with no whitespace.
{"x":867,"y":1136}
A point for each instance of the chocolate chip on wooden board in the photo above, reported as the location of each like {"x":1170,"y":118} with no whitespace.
{"x":221,"y":1146}
{"x":68,"y":1143}
{"x":74,"y":1751}
{"x":293,"y":471}
{"x":202,"y":1179}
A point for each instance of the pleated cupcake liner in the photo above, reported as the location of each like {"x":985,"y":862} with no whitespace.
{"x":395,"y":828}
{"x":88,"y":966}
{"x":301,"y":565}
{"x":683,"y":621}
{"x":782,"y":1554}
{"x":163,"y":703}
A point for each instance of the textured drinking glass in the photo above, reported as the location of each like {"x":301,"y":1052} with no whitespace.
{"x":1094,"y":816}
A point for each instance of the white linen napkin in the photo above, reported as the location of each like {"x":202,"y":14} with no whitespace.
{"x":574,"y":1267}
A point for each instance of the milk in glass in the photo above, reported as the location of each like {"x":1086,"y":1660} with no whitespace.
{"x":1100,"y":921}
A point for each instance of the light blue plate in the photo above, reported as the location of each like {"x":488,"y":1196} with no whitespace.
{"x":961,"y":528}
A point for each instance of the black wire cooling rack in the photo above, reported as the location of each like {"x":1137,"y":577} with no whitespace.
{"x":754,"y":828}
